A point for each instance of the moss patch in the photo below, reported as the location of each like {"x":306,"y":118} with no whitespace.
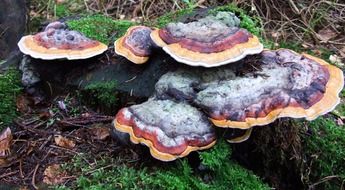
{"x":101,"y":28}
{"x":171,"y":17}
{"x":221,"y":174}
{"x":252,"y":24}
{"x":324,"y":149}
{"x":101,"y":95}
{"x":9,"y":89}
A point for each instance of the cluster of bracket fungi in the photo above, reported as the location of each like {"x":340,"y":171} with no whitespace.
{"x":229,"y":81}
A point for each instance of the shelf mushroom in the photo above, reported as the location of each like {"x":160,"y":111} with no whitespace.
{"x":57,"y":42}
{"x":287,"y":84}
{"x":208,"y":42}
{"x":135,"y":45}
{"x":258,"y":90}
{"x":171,"y":130}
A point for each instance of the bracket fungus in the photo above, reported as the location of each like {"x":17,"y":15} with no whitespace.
{"x":209,"y":42}
{"x":280,"y":83}
{"x":171,"y":130}
{"x":57,"y":42}
{"x":135,"y":45}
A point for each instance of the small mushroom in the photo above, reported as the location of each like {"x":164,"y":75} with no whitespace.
{"x":171,"y":130}
{"x":57,"y":42}
{"x":208,"y":42}
{"x":135,"y":45}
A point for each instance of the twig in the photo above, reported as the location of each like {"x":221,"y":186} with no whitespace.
{"x":101,"y":168}
{"x":33,"y":130}
{"x":8,"y":174}
{"x":324,"y":180}
{"x":3,"y":32}
{"x":33,"y":183}
{"x":45,"y":142}
{"x":294,"y":7}
{"x":21,"y":168}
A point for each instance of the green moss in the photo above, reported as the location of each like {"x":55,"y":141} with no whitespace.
{"x":9,"y":89}
{"x":171,"y":17}
{"x":227,"y":174}
{"x":102,"y":94}
{"x":252,"y":24}
{"x":223,"y":174}
{"x":99,"y":27}
{"x":293,"y":46}
{"x":62,"y":11}
{"x":325,"y":153}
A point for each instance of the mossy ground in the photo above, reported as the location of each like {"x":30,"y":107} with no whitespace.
{"x":100,"y":27}
{"x":324,"y":151}
{"x":101,"y":95}
{"x":9,"y":89}
{"x":221,"y":173}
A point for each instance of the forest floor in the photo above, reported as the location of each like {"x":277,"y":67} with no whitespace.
{"x":60,"y":142}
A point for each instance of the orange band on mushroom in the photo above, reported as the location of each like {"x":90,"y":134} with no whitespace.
{"x":218,"y":47}
{"x":323,"y":104}
{"x":135,"y":45}
{"x":56,"y":42}
{"x":259,"y":89}
{"x":28,"y":46}
{"x":166,"y":142}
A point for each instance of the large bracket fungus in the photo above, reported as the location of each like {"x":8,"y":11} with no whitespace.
{"x":210,"y":42}
{"x":57,"y":42}
{"x":171,"y":130}
{"x":279,"y":83}
{"x":135,"y":45}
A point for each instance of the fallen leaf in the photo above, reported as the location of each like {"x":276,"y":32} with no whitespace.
{"x":99,"y":133}
{"x":23,"y":104}
{"x":5,"y":142}
{"x":326,"y":34}
{"x":64,"y":142}
{"x":53,"y":175}
{"x":317,"y":52}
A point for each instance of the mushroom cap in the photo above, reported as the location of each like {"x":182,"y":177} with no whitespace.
{"x":56,"y":42}
{"x":306,"y":87}
{"x":207,"y":42}
{"x":271,"y":85}
{"x":135,"y":45}
{"x":171,"y":130}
